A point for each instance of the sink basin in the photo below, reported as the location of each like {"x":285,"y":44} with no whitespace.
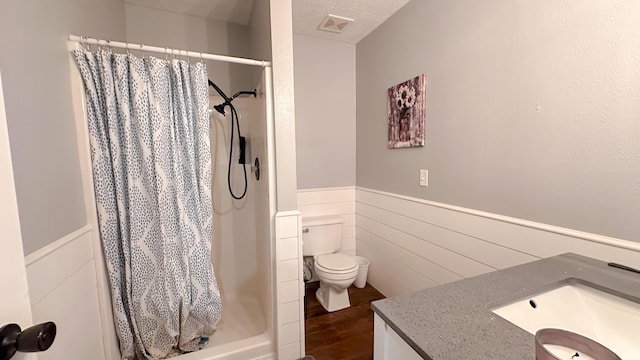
{"x":603,"y":317}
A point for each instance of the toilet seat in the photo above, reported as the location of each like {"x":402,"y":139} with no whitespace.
{"x":336,"y":263}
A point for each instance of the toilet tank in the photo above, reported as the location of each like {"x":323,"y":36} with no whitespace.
{"x":321,"y":235}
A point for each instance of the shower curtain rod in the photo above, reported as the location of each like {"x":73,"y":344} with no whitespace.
{"x":167,"y":51}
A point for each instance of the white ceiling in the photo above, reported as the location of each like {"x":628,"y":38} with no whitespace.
{"x":307,"y":14}
{"x":368,"y":15}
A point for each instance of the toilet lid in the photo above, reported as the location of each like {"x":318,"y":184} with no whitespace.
{"x":336,"y":262}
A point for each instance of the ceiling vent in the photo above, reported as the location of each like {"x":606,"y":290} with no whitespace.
{"x":334,"y":23}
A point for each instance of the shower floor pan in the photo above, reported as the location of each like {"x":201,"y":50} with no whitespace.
{"x":240,"y":335}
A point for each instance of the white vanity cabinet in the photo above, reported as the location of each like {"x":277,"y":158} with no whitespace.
{"x":388,"y":345}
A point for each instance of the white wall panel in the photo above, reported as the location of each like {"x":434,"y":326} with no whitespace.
{"x":337,"y":201}
{"x":430,"y":270}
{"x":73,"y":306}
{"x":345,"y":207}
{"x":62,"y":279}
{"x":484,"y":252}
{"x":389,"y":277}
{"x":413,"y":243}
{"x":49,"y":267}
{"x":326,"y":195}
{"x":459,"y":264}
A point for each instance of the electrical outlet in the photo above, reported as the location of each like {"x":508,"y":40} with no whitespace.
{"x":424,"y":177}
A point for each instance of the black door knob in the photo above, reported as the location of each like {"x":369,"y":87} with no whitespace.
{"x":36,"y":338}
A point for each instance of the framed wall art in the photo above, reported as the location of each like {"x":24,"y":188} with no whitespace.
{"x":406,"y":110}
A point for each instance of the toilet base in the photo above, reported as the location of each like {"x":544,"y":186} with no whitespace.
{"x":332,"y":299}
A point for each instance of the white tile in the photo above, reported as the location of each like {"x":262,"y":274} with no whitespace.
{"x":287,"y":226}
{"x":289,"y":333}
{"x":289,"y":312}
{"x":290,"y":352}
{"x":288,"y":248}
{"x":288,"y":270}
{"x":289,"y":291}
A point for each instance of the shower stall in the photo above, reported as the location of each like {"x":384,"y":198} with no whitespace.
{"x":243,"y":230}
{"x":241,"y":252}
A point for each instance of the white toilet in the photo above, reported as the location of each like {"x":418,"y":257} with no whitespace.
{"x":321,"y":238}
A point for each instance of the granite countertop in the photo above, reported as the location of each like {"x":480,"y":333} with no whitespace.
{"x":454,"y":321}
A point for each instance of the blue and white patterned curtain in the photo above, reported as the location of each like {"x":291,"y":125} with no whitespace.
{"x":149,"y":137}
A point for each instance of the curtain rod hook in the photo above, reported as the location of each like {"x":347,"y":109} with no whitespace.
{"x":142,"y":50}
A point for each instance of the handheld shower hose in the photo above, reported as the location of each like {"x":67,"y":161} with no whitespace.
{"x":234,"y":118}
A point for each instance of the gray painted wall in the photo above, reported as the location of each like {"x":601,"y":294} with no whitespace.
{"x":36,"y":73}
{"x":259,"y":37}
{"x":325,"y":82}
{"x":532,"y":109}
{"x":163,"y":28}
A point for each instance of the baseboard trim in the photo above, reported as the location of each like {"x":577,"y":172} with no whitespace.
{"x":600,"y":239}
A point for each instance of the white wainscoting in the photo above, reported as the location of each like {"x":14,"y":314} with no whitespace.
{"x":339,"y":201}
{"x":63,"y":289}
{"x":414,"y":244}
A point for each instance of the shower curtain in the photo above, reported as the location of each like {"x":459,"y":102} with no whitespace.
{"x":149,"y":138}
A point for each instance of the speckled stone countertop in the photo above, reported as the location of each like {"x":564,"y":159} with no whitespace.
{"x":455,"y":322}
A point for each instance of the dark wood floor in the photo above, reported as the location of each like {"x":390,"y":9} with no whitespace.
{"x":341,"y":335}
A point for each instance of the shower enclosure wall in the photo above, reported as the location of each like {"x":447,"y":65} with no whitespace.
{"x":242,"y":227}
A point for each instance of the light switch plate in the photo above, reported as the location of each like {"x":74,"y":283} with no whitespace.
{"x":424,"y":178}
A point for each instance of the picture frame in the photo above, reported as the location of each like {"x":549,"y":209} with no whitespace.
{"x":406,"y":112}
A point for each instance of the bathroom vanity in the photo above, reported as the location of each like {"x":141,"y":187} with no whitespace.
{"x":456,"y":320}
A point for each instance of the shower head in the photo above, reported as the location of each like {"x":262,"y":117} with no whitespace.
{"x":220,"y":108}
